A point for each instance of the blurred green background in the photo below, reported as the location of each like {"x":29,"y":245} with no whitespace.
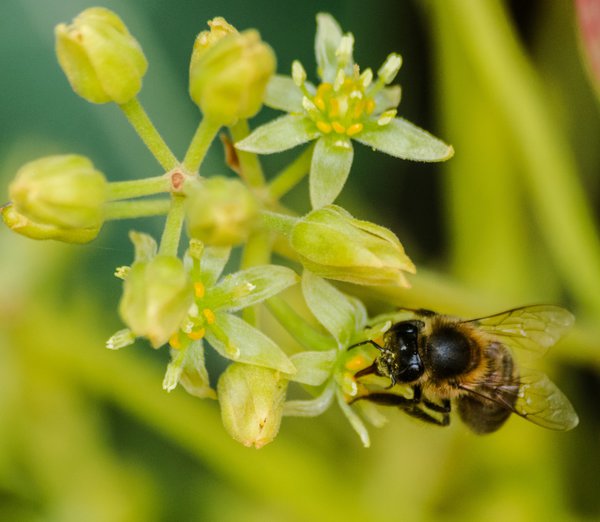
{"x":512,"y":219}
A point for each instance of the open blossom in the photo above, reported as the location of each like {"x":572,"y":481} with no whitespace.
{"x":347,"y":105}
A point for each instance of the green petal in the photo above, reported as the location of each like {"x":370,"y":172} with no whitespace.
{"x":335,"y":311}
{"x":327,"y":41}
{"x":311,"y":407}
{"x":313,"y":368}
{"x":212,"y":263}
{"x":283,"y":94}
{"x":248,"y":287}
{"x":253,"y":346}
{"x":194,"y":377}
{"x":144,"y":245}
{"x":402,"y":139}
{"x":188,"y":369}
{"x":278,"y":135}
{"x":354,"y":419}
{"x":387,"y":98}
{"x":329,"y":170}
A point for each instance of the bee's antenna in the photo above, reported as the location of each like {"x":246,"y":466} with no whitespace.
{"x":368,"y":341}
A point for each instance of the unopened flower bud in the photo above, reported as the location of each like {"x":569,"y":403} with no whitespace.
{"x":22,"y":225}
{"x":100,"y":58}
{"x":221,"y":212}
{"x":228,"y":80}
{"x":61,"y":191}
{"x":333,"y":244}
{"x":157,"y":295}
{"x":251,"y":399}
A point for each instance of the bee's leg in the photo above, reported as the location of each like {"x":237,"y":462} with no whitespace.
{"x":386,"y":399}
{"x":419,"y":413}
{"x":439,"y":408}
{"x":368,"y":341}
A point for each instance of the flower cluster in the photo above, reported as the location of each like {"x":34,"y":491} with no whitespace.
{"x":207,"y":297}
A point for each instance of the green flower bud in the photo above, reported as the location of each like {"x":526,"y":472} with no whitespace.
{"x":333,"y":244}
{"x":102,"y":61}
{"x":157,"y":295}
{"x":61,"y":191}
{"x":229,"y":78}
{"x":251,"y":399}
{"x":24,"y":226}
{"x":221,"y":212}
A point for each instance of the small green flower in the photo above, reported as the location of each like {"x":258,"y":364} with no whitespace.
{"x":333,"y":244}
{"x":251,"y":400}
{"x":62,"y":192}
{"x":347,"y":105}
{"x":210,"y":317}
{"x":101,"y":60}
{"x":221,"y":211}
{"x":345,"y":318}
{"x":229,"y":72}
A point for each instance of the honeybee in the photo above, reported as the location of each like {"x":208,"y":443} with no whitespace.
{"x":471,"y":363}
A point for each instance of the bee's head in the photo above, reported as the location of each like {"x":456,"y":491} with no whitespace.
{"x":400,"y":358}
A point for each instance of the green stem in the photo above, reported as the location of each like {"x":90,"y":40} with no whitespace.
{"x":250,"y":169}
{"x":138,"y":187}
{"x":138,"y":208}
{"x":257,"y":251}
{"x":297,"y":327}
{"x":140,"y":121}
{"x":558,"y":199}
{"x":278,"y":222}
{"x":169,"y":242}
{"x":289,"y":177}
{"x":203,"y":137}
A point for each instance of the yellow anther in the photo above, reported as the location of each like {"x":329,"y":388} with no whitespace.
{"x":199,"y":290}
{"x":324,"y":127}
{"x":323,"y":88}
{"x":319,"y":102}
{"x":209,"y":315}
{"x":354,"y":129}
{"x":196,"y":335}
{"x":370,"y":105}
{"x":357,"y":363}
{"x":338,"y":127}
{"x":358,"y":109}
{"x":334,"y":107}
{"x":175,"y":342}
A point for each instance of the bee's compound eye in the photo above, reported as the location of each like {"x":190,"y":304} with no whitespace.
{"x":448,"y":352}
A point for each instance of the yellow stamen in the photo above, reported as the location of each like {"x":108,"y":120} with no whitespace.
{"x":199,"y":290}
{"x":370,"y":105}
{"x":175,"y":342}
{"x":324,"y":127}
{"x":196,"y":335}
{"x":334,"y":107}
{"x":209,"y":315}
{"x":338,"y":127}
{"x":354,"y":129}
{"x":357,"y":363}
{"x":319,"y":102}
{"x":358,"y":109}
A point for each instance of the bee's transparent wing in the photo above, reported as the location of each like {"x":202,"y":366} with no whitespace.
{"x":531,"y":328}
{"x":536,"y":398}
